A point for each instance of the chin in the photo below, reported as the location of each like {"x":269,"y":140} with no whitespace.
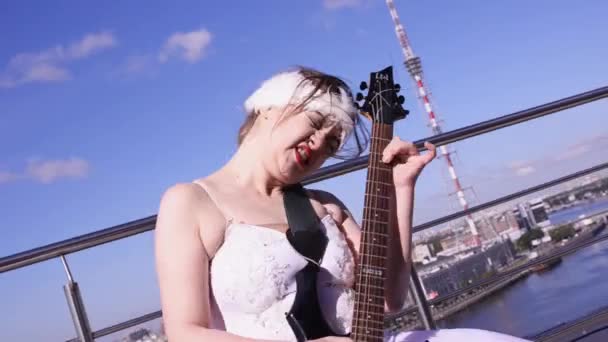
{"x":290,"y":173}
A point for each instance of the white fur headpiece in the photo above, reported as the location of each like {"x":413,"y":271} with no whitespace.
{"x":290,"y":88}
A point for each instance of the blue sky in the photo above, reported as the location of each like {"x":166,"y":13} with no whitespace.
{"x":104,"y":105}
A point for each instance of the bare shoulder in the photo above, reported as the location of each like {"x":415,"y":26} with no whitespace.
{"x":187,"y":199}
{"x":186,"y":208}
{"x":180,"y":194}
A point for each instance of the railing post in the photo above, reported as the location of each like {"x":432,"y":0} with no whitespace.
{"x":76,"y":306}
{"x":420,"y":298}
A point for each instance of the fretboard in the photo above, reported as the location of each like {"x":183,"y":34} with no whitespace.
{"x":368,"y":318}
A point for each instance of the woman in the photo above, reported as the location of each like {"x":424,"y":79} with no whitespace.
{"x":226,"y":271}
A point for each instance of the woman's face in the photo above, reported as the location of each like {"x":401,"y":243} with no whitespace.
{"x":300,"y":143}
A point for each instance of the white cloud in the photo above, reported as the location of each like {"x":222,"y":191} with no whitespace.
{"x":588,"y":146}
{"x":90,"y":44}
{"x":525,"y":170}
{"x":522,"y":168}
{"x":189,"y":46}
{"x":136,"y":65}
{"x":45,"y":73}
{"x":6,"y":177}
{"x":49,"y":65}
{"x":338,"y":4}
{"x":598,"y":142}
{"x":47,"y":171}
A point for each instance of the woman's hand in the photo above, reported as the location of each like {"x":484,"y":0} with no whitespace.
{"x":406,"y":160}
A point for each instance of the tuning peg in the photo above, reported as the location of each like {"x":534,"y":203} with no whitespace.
{"x":363,"y":85}
{"x":397,"y":87}
{"x":359,"y":97}
{"x":401,"y":99}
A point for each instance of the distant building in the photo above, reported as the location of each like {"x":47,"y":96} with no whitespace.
{"x":422,"y":253}
{"x":538,"y":213}
{"x":532,"y":214}
{"x":144,"y":335}
{"x":486,"y":231}
{"x":452,"y":274}
{"x":521,"y":217}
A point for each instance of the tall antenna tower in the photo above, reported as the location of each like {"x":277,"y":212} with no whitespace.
{"x":414,"y":67}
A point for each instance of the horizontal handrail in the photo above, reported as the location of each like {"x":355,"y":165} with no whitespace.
{"x":124,"y":325}
{"x":507,"y":198}
{"x":76,"y":244}
{"x":96,"y":238}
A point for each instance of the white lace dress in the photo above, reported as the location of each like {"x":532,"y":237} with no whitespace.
{"x":253,"y":286}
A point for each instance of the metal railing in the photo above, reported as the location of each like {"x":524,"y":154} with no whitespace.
{"x":62,"y":248}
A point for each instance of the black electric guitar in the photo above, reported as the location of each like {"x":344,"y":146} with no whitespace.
{"x":383,"y":107}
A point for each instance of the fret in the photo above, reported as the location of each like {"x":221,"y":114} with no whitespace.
{"x":371,"y":328}
{"x":379,"y":224}
{"x":380,"y":170}
{"x":373,"y":293}
{"x":371,"y":300}
{"x":367,"y":278}
{"x":379,"y":258}
{"x":377,"y":209}
{"x":371,"y":234}
{"x":375,"y":290}
{"x":376,"y":250}
{"x":368,"y":333}
{"x":380,"y":215}
{"x":373,"y":245}
{"x":379,"y":190}
{"x":376,"y":239}
{"x":382,"y":183}
{"x":375,"y":194}
{"x":375,"y":287}
{"x":373,"y":200}
{"x":377,"y":138}
{"x":370,"y":313}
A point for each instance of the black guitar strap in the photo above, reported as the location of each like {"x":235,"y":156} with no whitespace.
{"x":306,"y":236}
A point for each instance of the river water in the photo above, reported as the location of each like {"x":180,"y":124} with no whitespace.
{"x":542,"y":300}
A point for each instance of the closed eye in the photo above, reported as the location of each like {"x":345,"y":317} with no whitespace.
{"x":334,"y":143}
{"x":316,"y":123}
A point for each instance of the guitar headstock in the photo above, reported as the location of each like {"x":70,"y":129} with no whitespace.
{"x":381,"y":104}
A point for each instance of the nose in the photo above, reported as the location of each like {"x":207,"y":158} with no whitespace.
{"x":317,"y":140}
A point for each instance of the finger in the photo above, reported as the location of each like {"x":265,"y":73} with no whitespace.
{"x":398,"y":147}
{"x":432,"y":152}
{"x":390,"y":151}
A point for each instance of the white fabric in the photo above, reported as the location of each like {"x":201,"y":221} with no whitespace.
{"x":290,"y":88}
{"x":253,"y":286}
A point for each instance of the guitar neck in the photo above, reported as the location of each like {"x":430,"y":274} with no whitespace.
{"x":368,"y":319}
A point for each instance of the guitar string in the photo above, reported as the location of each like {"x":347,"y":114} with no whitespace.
{"x":375,"y":172}
{"x":379,"y":185}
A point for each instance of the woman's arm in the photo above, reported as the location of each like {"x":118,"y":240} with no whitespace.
{"x":182,"y":264}
{"x":407,"y":165}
